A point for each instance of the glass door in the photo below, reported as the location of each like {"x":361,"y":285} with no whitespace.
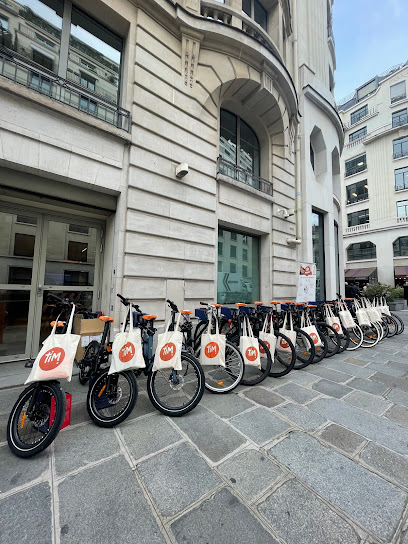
{"x":40,"y":254}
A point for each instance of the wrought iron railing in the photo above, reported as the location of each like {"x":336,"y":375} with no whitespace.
{"x":398,"y":97}
{"x":235,"y":172}
{"x":399,"y":120}
{"x":358,"y":198}
{"x":35,"y":77}
{"x":399,"y":154}
{"x":355,"y":170}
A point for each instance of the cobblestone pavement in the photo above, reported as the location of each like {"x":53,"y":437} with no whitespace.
{"x":320,"y":456}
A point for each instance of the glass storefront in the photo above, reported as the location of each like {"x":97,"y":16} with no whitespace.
{"x":318,"y":253}
{"x":238,"y":267}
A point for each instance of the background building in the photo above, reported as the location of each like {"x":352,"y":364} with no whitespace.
{"x":103,"y":99}
{"x":374,"y":169}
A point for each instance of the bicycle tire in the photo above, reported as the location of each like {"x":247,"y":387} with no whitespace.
{"x":356,"y":338}
{"x":165,"y":377}
{"x":305,"y":349}
{"x":344,"y":339}
{"x":400,"y":323}
{"x":286,"y":359}
{"x":17,"y":420}
{"x":90,"y":352}
{"x":333,"y":339}
{"x":321,"y":351}
{"x":253,"y":375}
{"x":392,"y":325}
{"x":219,"y":379}
{"x":100,"y":400}
{"x":371,"y":336}
{"x":199,"y":330}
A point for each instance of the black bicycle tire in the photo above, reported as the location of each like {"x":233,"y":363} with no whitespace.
{"x":93,"y":344}
{"x":330,"y":352}
{"x":320,"y":353}
{"x":265,"y":369}
{"x":176,"y":412}
{"x":303,"y":361}
{"x":199,"y":330}
{"x":14,"y":442}
{"x":277,"y":354}
{"x":401,"y":323}
{"x":103,"y":421}
{"x":387,"y":319}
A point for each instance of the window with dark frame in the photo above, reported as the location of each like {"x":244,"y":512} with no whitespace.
{"x":356,"y":116}
{"x":358,"y":218}
{"x":77,"y":251}
{"x":357,"y":192}
{"x":400,"y":147}
{"x":24,"y":245}
{"x":400,"y":247}
{"x":401,"y":178}
{"x":255,"y":10}
{"x":402,"y":208}
{"x":361,"y":250}
{"x":398,"y":92}
{"x":399,"y":118}
{"x":353,"y":166}
{"x":233,"y":252}
{"x":358,"y":134}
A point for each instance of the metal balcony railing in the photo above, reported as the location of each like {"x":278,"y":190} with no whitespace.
{"x":398,"y":97}
{"x":358,"y":198}
{"x":403,"y":219}
{"x":362,"y":117}
{"x":24,"y":72}
{"x":399,"y":154}
{"x":355,"y":170}
{"x":399,"y":120}
{"x":235,"y":172}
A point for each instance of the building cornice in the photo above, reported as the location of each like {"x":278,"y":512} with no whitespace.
{"x":328,"y":109}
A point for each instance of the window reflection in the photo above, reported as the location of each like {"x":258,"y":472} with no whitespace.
{"x":318,"y":253}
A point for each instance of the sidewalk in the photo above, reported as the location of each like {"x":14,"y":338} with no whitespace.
{"x":320,"y":456}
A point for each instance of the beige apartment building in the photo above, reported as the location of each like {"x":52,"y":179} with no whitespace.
{"x":160,"y":149}
{"x":374,"y":169}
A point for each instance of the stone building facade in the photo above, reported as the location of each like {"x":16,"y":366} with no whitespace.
{"x":102,"y":100}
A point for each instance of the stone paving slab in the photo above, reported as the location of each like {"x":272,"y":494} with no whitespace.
{"x":260,"y":425}
{"x":398,"y":396}
{"x":264,"y":396}
{"x":391,"y":381}
{"x":296,"y":393}
{"x":342,"y":438}
{"x":350,"y":370}
{"x":332,"y":389}
{"x":328,"y":373}
{"x":355,"y":361}
{"x":399,"y":414}
{"x":376,"y":388}
{"x":118,"y":512}
{"x":300,"y":377}
{"x":401,"y":366}
{"x":302,"y":416}
{"x":26,"y":516}
{"x":200,"y":424}
{"x":391,"y":464}
{"x":16,"y":471}
{"x":157,"y":434}
{"x":8,"y":398}
{"x":250,"y":473}
{"x":386,"y":369}
{"x":225,"y":406}
{"x":368,"y":402}
{"x":208,"y":524}
{"x":299,"y":517}
{"x":381,"y":430}
{"x":365,"y":497}
{"x":176,"y":478}
{"x":79,"y":446}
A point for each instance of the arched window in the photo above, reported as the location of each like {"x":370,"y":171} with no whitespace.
{"x":401,"y":247}
{"x":239,"y":146}
{"x":361,"y":250}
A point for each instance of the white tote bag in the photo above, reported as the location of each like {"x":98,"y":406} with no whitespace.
{"x":282,"y":345}
{"x":384,"y":308}
{"x":268,"y":338}
{"x":213,"y":347}
{"x":249,"y":346}
{"x":311,"y":330}
{"x":347,"y":319}
{"x":56,"y":357}
{"x":333,"y":321}
{"x":168,"y":351}
{"x":361,"y":314}
{"x":127,"y":350}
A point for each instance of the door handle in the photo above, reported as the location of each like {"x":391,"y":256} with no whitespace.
{"x":40,"y":289}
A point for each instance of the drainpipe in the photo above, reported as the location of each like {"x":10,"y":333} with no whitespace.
{"x":298,"y":184}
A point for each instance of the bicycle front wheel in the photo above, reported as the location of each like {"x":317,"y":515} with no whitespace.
{"x":283,"y":361}
{"x":27,"y":434}
{"x":254,"y":375}
{"x":220,"y":379}
{"x":111,"y":398}
{"x":177,"y":392}
{"x":356,"y":338}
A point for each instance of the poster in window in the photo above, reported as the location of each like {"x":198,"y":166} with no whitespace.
{"x":306,"y":291}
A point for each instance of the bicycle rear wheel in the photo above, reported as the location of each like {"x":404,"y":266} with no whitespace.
{"x":283,"y":361}
{"x":177,"y":394}
{"x":219,"y":379}
{"x":401,"y":325}
{"x":27,"y":436}
{"x":111,"y":398}
{"x":254,"y":375}
{"x":305,"y":349}
{"x":356,"y":338}
{"x":332,"y":336}
{"x":371,"y":335}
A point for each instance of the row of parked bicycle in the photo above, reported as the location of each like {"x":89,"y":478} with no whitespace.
{"x":217,"y":349}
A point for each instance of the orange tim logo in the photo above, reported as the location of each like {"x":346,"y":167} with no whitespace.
{"x":283,"y":343}
{"x":211,"y":350}
{"x":267,"y":345}
{"x":168,"y":351}
{"x":251,"y":354}
{"x":336,"y":326}
{"x":314,"y":337}
{"x":52,"y":358}
{"x":127,"y":352}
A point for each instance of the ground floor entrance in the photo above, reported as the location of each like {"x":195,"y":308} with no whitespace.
{"x":42,"y":253}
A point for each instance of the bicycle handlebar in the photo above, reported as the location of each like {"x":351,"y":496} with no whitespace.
{"x":60,"y":300}
{"x":123,"y":300}
{"x":172,"y":305}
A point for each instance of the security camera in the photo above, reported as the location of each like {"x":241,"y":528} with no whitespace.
{"x":283,"y":213}
{"x":182,"y":170}
{"x":291,"y":211}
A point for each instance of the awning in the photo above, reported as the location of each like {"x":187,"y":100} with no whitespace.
{"x":401,"y":271}
{"x":359,"y":273}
